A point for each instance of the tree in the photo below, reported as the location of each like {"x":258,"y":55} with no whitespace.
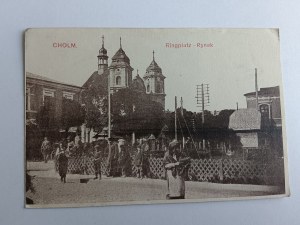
{"x":134,"y":111}
{"x":73,"y":114}
{"x":94,"y":97}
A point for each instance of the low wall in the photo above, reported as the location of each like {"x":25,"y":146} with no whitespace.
{"x":210,"y":170}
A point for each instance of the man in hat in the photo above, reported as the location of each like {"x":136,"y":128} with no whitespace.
{"x":176,"y":165}
{"x":97,"y":162}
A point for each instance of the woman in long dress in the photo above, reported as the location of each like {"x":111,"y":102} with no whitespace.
{"x":176,"y":165}
{"x":62,"y":160}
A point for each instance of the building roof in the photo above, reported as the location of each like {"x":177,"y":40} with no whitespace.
{"x":97,"y":81}
{"x":102,"y":51}
{"x":245,"y":119}
{"x":121,"y":56}
{"x":138,"y":84}
{"x":154,"y":67}
{"x":267,"y":91}
{"x":153,"y":70}
{"x":42,"y":78}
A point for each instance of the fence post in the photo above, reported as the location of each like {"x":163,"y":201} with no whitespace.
{"x":221,"y":170}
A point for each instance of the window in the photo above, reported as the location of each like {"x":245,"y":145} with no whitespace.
{"x":118,"y":80}
{"x":47,"y":95}
{"x":68,"y":95}
{"x":148,"y":88}
{"x":158,"y":89}
{"x":264,"y":110}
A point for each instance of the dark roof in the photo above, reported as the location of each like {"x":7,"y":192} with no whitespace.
{"x":39,"y":77}
{"x":102,"y":51}
{"x":153,"y":70}
{"x":96,"y":80}
{"x":138,"y":84}
{"x":154,"y":67}
{"x":121,"y":55}
{"x":268,"y":91}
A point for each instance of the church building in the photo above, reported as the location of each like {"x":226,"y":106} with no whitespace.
{"x":120,"y":75}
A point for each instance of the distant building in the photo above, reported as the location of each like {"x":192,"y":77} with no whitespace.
{"x":154,"y":82}
{"x":268,"y":103}
{"x":42,"y":91}
{"x":120,"y":75}
{"x":260,"y":128}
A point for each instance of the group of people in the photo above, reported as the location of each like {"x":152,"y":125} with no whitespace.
{"x":118,"y":159}
{"x":176,"y":161}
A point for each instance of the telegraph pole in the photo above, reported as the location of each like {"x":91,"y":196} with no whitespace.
{"x":175,"y":117}
{"x":202,"y":97}
{"x":109,"y":106}
{"x":256,"y":89}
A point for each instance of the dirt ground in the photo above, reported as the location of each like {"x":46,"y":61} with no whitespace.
{"x":50,"y":190}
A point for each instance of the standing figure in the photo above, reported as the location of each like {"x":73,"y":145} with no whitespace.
{"x":112,"y":159}
{"x":124,"y":158}
{"x":70,"y":145}
{"x":78,"y":145}
{"x":97,"y":162}
{"x":138,"y":162}
{"x":46,"y":149}
{"x":146,"y":154}
{"x":62,"y":159}
{"x":176,"y":164}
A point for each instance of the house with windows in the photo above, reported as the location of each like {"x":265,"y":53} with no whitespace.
{"x":268,"y":104}
{"x":48,"y":93}
{"x":259,"y":126}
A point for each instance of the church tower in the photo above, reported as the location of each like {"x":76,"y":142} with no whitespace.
{"x":120,"y":71}
{"x":154,"y":83}
{"x":102,"y":59}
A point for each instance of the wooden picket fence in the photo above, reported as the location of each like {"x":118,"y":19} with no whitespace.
{"x":210,"y":170}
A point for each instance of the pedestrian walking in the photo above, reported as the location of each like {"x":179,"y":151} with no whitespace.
{"x":46,"y":149}
{"x":97,"y":162}
{"x":176,"y":165}
{"x":62,"y":159}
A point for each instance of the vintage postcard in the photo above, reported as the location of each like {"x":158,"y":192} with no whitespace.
{"x":139,"y":116}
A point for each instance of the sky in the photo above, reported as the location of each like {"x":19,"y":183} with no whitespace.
{"x":223,"y":58}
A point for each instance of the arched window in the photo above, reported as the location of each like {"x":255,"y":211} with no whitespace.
{"x":148,"y":88}
{"x":264,"y":110}
{"x":118,"y":80}
{"x":158,"y":88}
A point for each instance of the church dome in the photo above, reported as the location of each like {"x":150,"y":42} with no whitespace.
{"x":102,"y":51}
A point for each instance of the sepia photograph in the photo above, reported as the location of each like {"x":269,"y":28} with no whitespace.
{"x":146,"y":116}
